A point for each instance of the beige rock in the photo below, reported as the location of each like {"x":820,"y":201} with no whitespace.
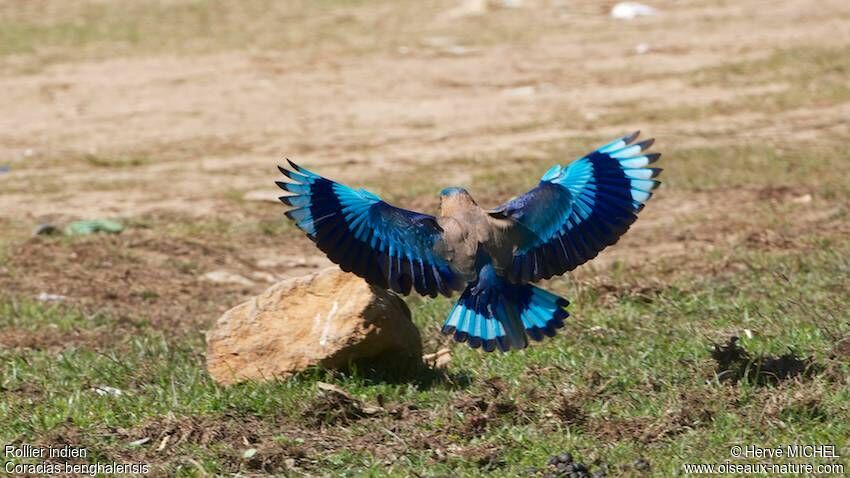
{"x":466,"y":8}
{"x":328,"y":319}
{"x":227,"y":277}
{"x":804,"y":199}
{"x":338,"y":398}
{"x":263,"y":276}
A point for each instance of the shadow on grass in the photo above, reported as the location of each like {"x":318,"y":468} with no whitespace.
{"x":388,"y":369}
{"x":735,"y":364}
{"x":333,"y":404}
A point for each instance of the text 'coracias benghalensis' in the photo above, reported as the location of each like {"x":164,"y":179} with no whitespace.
{"x":492,"y":255}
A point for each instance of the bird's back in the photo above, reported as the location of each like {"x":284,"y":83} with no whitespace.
{"x":471,"y":232}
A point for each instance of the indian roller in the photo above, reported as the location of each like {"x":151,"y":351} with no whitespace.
{"x":492,"y":255}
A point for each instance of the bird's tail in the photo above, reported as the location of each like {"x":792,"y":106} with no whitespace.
{"x":493,"y":312}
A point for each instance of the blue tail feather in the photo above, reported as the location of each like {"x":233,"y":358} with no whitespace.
{"x":494,"y":313}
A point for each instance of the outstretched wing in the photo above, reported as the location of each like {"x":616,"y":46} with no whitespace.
{"x":389,"y":247}
{"x":577,"y":211}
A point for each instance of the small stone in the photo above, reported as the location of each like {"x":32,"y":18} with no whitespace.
{"x":263,"y":276}
{"x":641,"y":464}
{"x":46,"y":230}
{"x":467,"y":8}
{"x":45,"y":297}
{"x":804,"y":199}
{"x":565,"y":458}
{"x":459,"y":50}
{"x":631,"y":10}
{"x":107,"y":390}
{"x":520,"y":91}
{"x":553,"y":461}
{"x":371,"y":410}
{"x":226,"y":277}
{"x":599,"y":474}
{"x":330,"y":389}
{"x":438,"y":360}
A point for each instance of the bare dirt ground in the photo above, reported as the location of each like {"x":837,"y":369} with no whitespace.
{"x":179,"y":142}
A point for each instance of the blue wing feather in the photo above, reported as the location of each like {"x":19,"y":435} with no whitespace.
{"x":389,"y":247}
{"x":578,"y":210}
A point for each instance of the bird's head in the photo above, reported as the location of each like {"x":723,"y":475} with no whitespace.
{"x":451,"y":198}
{"x":452,"y":191}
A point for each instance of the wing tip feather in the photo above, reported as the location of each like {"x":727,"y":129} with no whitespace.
{"x":645,"y":144}
{"x":296,"y":167}
{"x":631,"y":137}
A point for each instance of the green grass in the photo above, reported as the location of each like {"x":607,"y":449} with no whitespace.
{"x":117,"y":161}
{"x":48,"y":34}
{"x":814,"y":77}
{"x":628,"y":362}
{"x":190,"y":25}
{"x":818,"y":168}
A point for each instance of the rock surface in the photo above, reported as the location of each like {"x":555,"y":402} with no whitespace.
{"x":329,"y":319}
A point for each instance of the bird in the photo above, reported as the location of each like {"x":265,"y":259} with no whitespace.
{"x":492,"y":257}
